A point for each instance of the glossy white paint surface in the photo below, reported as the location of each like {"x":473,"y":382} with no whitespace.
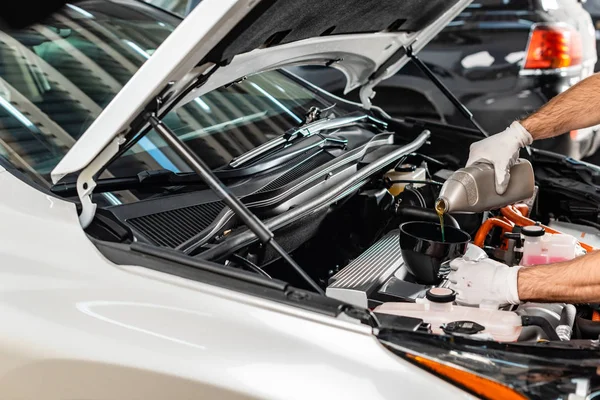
{"x":76,"y":326}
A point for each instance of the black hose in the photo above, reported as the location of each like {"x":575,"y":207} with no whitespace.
{"x":412,"y":213}
{"x":533,"y":320}
{"x":250,"y":265}
{"x":588,"y":223}
{"x":588,"y":329}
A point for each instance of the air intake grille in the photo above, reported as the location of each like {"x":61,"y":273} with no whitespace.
{"x":296,"y":172}
{"x":174,"y":227}
{"x":355,"y":282}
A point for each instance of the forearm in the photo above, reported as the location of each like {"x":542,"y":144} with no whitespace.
{"x":576,"y":108}
{"x":576,"y":281}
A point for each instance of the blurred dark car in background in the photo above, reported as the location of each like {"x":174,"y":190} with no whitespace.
{"x":503,"y":59}
{"x":593,"y":7}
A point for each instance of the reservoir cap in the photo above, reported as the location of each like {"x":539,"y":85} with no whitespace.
{"x":533,"y":231}
{"x":405,"y":168}
{"x":440,"y":295}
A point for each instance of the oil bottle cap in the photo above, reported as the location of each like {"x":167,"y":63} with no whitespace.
{"x":533,"y":231}
{"x":440,"y":295}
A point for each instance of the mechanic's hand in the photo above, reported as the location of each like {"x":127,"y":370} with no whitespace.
{"x":475,"y":281}
{"x":502,"y":151}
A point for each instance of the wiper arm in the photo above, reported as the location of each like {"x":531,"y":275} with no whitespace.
{"x":284,"y":155}
{"x":162,"y":178}
{"x":303,"y":131}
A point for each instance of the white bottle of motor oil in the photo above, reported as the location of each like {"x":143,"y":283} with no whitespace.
{"x":473,"y":189}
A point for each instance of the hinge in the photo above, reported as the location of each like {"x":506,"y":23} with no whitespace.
{"x":367,"y":92}
{"x":86,"y":180}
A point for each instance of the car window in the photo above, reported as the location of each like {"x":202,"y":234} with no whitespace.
{"x":56,"y":78}
{"x":179,"y":7}
{"x":225,"y":123}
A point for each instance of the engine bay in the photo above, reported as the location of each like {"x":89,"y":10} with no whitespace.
{"x":355,"y":255}
{"x":340,"y":214}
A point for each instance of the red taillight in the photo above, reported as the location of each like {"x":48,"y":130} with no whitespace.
{"x":553,"y":47}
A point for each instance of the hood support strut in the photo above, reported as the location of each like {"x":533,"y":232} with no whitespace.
{"x":250,"y":220}
{"x":447,"y":92}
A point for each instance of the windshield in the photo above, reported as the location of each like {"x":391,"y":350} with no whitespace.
{"x":56,"y":77}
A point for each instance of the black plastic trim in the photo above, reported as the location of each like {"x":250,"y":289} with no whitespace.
{"x":178,"y":257}
{"x":177,"y":264}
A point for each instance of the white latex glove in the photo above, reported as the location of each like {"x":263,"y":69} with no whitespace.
{"x":501,"y":150}
{"x":476,"y":281}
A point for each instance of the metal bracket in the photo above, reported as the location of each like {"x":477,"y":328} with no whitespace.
{"x":86,"y":181}
{"x":385,"y":70}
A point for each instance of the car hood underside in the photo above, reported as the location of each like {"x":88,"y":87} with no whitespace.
{"x":222,"y":41}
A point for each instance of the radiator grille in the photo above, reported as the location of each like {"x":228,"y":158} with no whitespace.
{"x":174,"y":227}
{"x":296,"y":172}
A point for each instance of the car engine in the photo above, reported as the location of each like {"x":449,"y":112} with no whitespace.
{"x":357,"y":256}
{"x":349,"y":244}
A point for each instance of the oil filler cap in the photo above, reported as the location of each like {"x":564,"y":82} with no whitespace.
{"x":440,"y":295}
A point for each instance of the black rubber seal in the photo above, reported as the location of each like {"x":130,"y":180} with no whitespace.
{"x":533,"y":231}
{"x":440,"y":295}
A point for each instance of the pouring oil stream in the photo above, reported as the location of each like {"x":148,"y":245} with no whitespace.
{"x":440,"y":209}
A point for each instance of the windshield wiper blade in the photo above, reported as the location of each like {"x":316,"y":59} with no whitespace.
{"x":285,"y":155}
{"x":164,"y":178}
{"x":304,"y":131}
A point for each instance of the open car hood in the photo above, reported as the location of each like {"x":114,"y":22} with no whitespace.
{"x":222,"y":41}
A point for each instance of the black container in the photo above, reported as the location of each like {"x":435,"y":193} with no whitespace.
{"x":423,"y":250}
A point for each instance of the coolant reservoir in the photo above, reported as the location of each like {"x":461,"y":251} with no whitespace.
{"x":438,"y":310}
{"x":403,"y":173}
{"x":542,"y":248}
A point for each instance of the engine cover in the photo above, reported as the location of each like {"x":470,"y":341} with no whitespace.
{"x":376,"y":276}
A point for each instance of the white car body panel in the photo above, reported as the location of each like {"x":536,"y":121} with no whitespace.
{"x":76,"y":326}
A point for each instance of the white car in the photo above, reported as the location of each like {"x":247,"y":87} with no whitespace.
{"x":209,"y":226}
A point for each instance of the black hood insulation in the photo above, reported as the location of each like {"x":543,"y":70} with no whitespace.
{"x":274,"y":22}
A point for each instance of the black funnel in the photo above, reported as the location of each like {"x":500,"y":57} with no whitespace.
{"x":423,"y":250}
